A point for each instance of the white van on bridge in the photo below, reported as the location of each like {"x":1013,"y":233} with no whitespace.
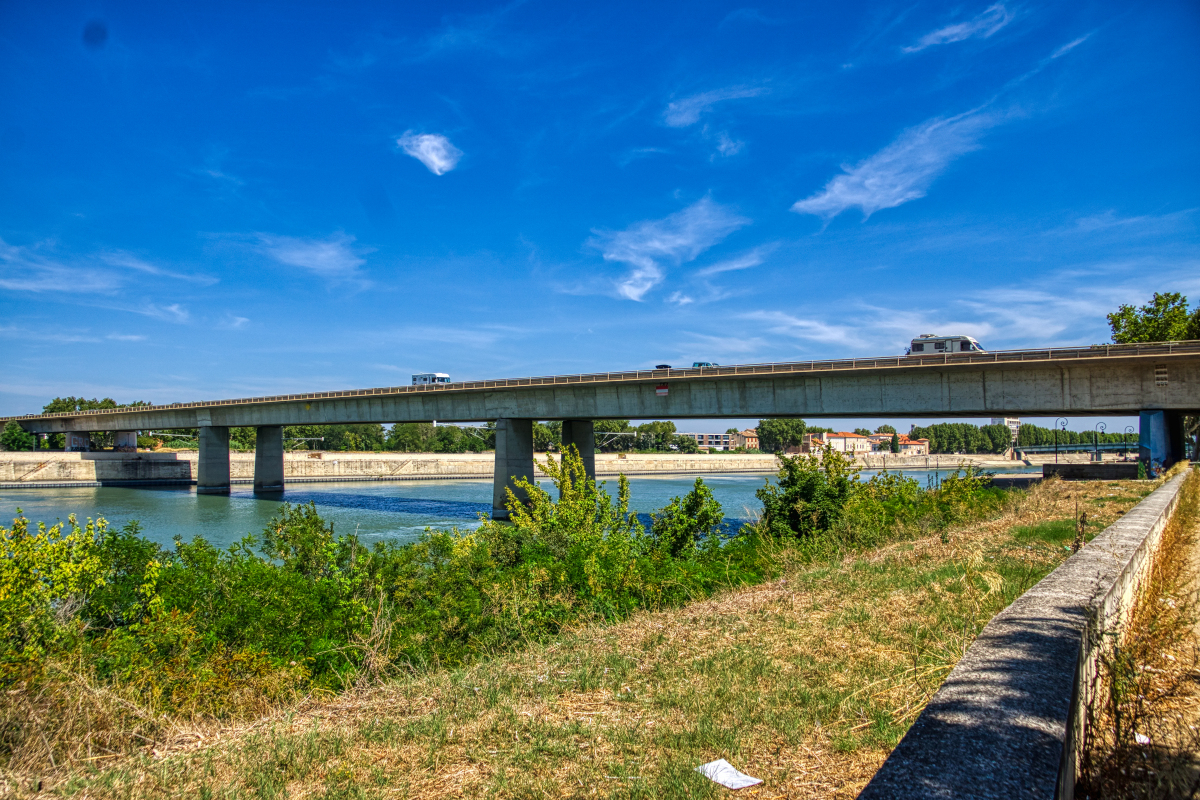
{"x":928,"y":344}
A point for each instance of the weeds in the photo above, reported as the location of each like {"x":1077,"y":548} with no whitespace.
{"x":1142,"y":736}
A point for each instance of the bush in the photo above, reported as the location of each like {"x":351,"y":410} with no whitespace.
{"x":820,"y":500}
{"x":198,"y":630}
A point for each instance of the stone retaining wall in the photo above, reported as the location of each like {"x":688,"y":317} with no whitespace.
{"x":1008,"y":720}
{"x":58,"y":468}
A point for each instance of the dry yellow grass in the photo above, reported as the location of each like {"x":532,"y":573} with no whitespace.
{"x":806,"y":682}
{"x":1150,"y":684}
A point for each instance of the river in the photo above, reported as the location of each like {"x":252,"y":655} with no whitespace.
{"x":376,"y":510}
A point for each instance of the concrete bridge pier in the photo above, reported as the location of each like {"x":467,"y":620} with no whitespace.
{"x":1161,"y":437}
{"x":268,"y":459}
{"x":582,"y":434}
{"x":212,"y":469}
{"x":514,"y":461}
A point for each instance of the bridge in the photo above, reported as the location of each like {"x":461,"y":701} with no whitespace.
{"x":1158,"y":381}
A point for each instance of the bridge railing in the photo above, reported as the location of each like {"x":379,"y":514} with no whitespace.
{"x":637,"y":376}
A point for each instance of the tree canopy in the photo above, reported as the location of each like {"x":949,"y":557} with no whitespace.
{"x":1166,"y":318}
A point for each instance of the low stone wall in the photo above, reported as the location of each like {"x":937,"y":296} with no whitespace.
{"x":32,"y":469}
{"x":1118,"y":471}
{"x":1009,"y":718}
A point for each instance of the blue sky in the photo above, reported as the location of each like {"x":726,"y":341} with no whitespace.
{"x":224,"y":200}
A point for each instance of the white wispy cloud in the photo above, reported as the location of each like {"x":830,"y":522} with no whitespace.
{"x":432,"y":149}
{"x":32,"y":269}
{"x":685,"y":112}
{"x":334,"y":258}
{"x":128,"y":261}
{"x":1059,"y":311}
{"x":981,"y":26}
{"x":727,"y":146}
{"x":744,"y":261}
{"x":903,"y":170}
{"x":650,"y":247}
{"x":174,"y":312}
{"x":1069,"y":46}
{"x":125,"y":337}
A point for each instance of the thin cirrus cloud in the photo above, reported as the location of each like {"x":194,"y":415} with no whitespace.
{"x":30,"y":269}
{"x":744,"y":261}
{"x":126,"y":261}
{"x":432,"y":149}
{"x":902,"y":171}
{"x":685,"y":112}
{"x":334,"y":258}
{"x":650,"y":247}
{"x":981,"y":26}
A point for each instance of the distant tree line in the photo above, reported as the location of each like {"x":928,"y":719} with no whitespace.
{"x":963,"y":437}
{"x":1034,"y":435}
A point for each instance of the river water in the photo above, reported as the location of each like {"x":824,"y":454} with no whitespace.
{"x":376,"y":510}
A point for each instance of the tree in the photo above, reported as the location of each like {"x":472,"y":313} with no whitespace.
{"x":776,"y":434}
{"x":1164,"y":319}
{"x":14,"y":437}
{"x":732,"y":431}
{"x":895,"y":448}
{"x":67,"y":404}
{"x":366,"y":437}
{"x":885,"y":429}
{"x":862,"y":431}
{"x":547,"y":437}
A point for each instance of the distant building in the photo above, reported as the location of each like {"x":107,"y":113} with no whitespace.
{"x":881,"y":441}
{"x":913,"y":447}
{"x":841,"y":441}
{"x":747,"y":439}
{"x":713,"y":441}
{"x":857,"y":444}
{"x":427,"y":378}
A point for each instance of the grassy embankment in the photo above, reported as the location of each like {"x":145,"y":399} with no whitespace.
{"x":806,"y":680}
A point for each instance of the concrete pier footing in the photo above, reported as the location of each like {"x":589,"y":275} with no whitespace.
{"x":212,"y":469}
{"x":514,"y":461}
{"x":268,"y":459}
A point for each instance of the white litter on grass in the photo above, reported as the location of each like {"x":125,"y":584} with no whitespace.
{"x":1141,"y":738}
{"x":722,"y":772}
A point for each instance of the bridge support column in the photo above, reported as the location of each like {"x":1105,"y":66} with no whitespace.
{"x":582,"y":434}
{"x":212,"y":469}
{"x":77,"y":442}
{"x":1160,"y":438}
{"x":514,"y":459}
{"x":268,"y":459}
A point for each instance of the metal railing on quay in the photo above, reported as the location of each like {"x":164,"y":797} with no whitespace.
{"x":633,"y":376}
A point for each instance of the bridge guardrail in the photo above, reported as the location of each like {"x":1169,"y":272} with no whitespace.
{"x":737,"y":370}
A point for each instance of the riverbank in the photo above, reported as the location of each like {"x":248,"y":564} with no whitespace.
{"x":45,"y":468}
{"x":807,"y":682}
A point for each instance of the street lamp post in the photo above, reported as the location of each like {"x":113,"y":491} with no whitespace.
{"x":1057,"y":422}
{"x":1099,"y":429}
{"x":1128,"y":431}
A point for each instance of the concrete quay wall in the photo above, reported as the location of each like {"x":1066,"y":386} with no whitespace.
{"x":1008,"y":721}
{"x":47,"y":467}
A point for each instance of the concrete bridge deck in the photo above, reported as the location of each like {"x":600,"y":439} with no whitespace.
{"x":1097,"y":380}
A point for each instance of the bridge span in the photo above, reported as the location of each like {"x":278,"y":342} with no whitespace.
{"x":1160,"y":381}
